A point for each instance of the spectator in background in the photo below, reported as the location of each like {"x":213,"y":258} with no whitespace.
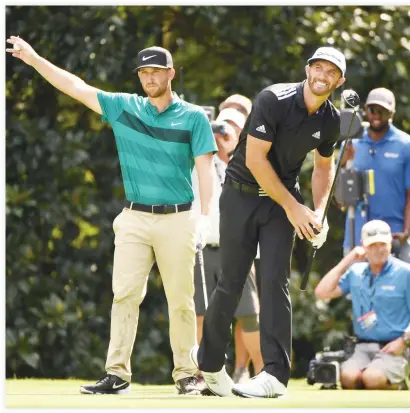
{"x":239,"y":102}
{"x":379,"y":285}
{"x":242,"y":104}
{"x":247,"y":339}
{"x":385,"y":149}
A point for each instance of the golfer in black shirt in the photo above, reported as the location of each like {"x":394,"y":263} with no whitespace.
{"x":261,"y":202}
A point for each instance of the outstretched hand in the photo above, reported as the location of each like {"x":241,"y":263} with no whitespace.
{"x":22,"y":50}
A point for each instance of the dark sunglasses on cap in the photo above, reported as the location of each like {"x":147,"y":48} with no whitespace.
{"x":375,"y":232}
{"x":374,"y":110}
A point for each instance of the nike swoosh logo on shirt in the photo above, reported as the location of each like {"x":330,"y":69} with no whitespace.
{"x":175,"y":124}
{"x":144,"y":58}
{"x":114,"y":386}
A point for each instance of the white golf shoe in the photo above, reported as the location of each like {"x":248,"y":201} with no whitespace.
{"x":262,"y":385}
{"x":219,"y":383}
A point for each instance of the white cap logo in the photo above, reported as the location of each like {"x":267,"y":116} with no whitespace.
{"x":331,"y":55}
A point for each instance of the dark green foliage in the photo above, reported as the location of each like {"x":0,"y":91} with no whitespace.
{"x":63,"y":179}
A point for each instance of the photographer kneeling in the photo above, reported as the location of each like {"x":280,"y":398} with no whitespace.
{"x":379,"y":285}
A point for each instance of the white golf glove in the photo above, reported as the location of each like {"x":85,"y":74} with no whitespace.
{"x":203,"y":231}
{"x":320,"y":238}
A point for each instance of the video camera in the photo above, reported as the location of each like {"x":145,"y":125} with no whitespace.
{"x":353,"y":186}
{"x":325,"y":367}
{"x":218,"y":127}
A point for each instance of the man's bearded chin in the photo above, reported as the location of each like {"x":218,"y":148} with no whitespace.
{"x":154,"y":93}
{"x":381,"y":128}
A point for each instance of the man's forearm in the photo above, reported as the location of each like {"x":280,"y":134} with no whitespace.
{"x":61,"y":79}
{"x":206,"y":179}
{"x":329,"y":282}
{"x":269,"y":181}
{"x":322,"y":179}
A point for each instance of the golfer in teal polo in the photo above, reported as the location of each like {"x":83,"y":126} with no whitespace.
{"x":159,"y":140}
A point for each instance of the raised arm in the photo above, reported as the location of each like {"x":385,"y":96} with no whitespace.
{"x":328,"y":286}
{"x":62,"y":80}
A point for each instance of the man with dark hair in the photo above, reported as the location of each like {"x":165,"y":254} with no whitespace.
{"x":385,"y":149}
{"x":379,"y":285}
{"x":261,"y":203}
{"x":159,"y":139}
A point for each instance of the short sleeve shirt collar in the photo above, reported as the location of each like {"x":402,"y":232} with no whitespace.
{"x":176,"y":100}
{"x":301,"y":101}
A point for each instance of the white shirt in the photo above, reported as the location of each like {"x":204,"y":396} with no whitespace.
{"x":220,"y":168}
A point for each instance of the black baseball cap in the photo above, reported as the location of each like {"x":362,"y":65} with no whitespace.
{"x":154,"y":57}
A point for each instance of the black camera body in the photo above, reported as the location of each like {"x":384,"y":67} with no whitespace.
{"x":218,"y":127}
{"x":325,"y":368}
{"x":353,"y":186}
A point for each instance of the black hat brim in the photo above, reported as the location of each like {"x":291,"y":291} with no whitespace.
{"x":160,"y":66}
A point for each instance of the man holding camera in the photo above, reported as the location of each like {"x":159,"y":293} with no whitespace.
{"x":385,"y":149}
{"x":248,"y":339}
{"x":379,"y":285}
{"x":225,"y":131}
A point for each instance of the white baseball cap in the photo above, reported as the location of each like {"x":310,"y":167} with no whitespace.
{"x":233,"y":115}
{"x":331,"y":55}
{"x":376,"y":231}
{"x":383,"y":97}
{"x":239,"y":100}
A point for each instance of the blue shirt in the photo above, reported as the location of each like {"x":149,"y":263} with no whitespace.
{"x":389,"y":297}
{"x":157,"y":150}
{"x":390,"y":160}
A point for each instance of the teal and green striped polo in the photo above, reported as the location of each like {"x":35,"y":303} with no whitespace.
{"x":157,"y":150}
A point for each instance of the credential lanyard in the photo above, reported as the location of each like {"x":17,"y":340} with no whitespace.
{"x":372,"y":285}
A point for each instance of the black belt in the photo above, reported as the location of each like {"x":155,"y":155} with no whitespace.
{"x":159,"y":209}
{"x":242,"y":187}
{"x":381,"y":343}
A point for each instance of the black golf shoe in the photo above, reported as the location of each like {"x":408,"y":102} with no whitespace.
{"x":109,"y":384}
{"x":190,"y":386}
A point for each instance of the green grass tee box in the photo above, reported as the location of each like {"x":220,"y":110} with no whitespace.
{"x":33,"y":393}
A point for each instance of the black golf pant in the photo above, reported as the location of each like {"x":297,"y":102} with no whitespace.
{"x":245,"y":220}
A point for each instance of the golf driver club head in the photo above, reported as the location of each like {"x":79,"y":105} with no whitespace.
{"x":351,"y":98}
{"x":348,"y":130}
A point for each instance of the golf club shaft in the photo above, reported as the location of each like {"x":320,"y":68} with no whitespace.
{"x":202,"y":268}
{"x":329,"y":200}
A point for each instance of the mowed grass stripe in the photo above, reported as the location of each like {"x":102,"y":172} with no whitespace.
{"x":33,"y":393}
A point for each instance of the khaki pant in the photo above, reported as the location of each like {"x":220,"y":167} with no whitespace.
{"x":394,"y":367}
{"x":138,"y":236}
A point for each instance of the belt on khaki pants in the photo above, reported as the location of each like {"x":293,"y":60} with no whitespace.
{"x":159,"y":209}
